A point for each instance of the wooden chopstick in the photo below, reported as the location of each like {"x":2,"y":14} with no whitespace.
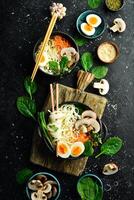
{"x":45,"y":41}
{"x":52,"y":97}
{"x":57,"y":96}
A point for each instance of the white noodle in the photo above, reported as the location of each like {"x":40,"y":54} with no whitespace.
{"x":61,"y":123}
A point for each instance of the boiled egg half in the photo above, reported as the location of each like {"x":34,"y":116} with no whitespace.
{"x":87,"y":29}
{"x":77,"y":149}
{"x":93,"y":20}
{"x":44,"y":59}
{"x":63,"y":150}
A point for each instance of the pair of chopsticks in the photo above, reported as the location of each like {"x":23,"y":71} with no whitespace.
{"x":52,"y":97}
{"x":44,"y":43}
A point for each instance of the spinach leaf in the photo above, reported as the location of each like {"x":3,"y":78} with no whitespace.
{"x":94,"y":3}
{"x":88,"y":149}
{"x":100,"y":72}
{"x":53,"y":66}
{"x":43,"y":127}
{"x":26,"y":106}
{"x":99,"y":193}
{"x":64,"y":63}
{"x":111,"y":146}
{"x":86,"y":188}
{"x":30,"y":86}
{"x":80,"y":41}
{"x":87,"y":60}
{"x":23,"y":175}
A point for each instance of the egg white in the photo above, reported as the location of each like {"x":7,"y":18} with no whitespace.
{"x":88,"y":33}
{"x":95,"y":16}
{"x":77,"y":144}
{"x":42,"y":64}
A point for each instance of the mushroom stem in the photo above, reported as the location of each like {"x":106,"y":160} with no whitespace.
{"x":98,"y":85}
{"x":115,"y":28}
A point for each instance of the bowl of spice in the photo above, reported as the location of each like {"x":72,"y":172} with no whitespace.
{"x":115,"y":5}
{"x":108,"y":52}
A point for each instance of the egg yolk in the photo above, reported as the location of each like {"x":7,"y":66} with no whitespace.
{"x":87,"y":27}
{"x":42,"y":59}
{"x":93,"y":20}
{"x":62,"y":149}
{"x":76,"y":151}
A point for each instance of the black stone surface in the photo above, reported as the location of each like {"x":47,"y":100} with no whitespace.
{"x":22,"y":23}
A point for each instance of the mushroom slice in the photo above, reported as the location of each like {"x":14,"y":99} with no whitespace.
{"x":51,"y":182}
{"x":119,"y":25}
{"x":47,"y":188}
{"x":103,"y":86}
{"x":54,"y":191}
{"x":39,"y":195}
{"x":69,"y":52}
{"x":49,"y":195}
{"x":110,"y":169}
{"x":35,"y":185}
{"x":89,"y":113}
{"x":89,"y":122}
{"x":42,"y":178}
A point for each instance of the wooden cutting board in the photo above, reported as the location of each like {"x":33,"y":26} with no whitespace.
{"x":40,"y":155}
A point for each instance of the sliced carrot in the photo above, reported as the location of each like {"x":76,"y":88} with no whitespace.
{"x":83,"y":137}
{"x":61,"y":43}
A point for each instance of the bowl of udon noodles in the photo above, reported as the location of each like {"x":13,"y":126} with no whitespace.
{"x":60,"y":55}
{"x":72,"y":129}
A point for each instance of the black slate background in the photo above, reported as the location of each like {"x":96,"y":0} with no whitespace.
{"x":22,"y":22}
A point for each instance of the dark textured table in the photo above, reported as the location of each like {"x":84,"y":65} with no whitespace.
{"x":22,"y":23}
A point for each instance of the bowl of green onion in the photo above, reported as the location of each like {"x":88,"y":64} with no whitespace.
{"x":113,"y":5}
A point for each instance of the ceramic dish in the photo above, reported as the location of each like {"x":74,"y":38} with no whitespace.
{"x":99,"y":30}
{"x":50,"y":177}
{"x":96,"y":179}
{"x":83,"y":107}
{"x":107,"y":49}
{"x":112,"y":9}
{"x":73,"y":45}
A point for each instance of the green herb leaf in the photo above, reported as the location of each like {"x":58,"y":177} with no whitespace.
{"x":111,"y":146}
{"x":88,"y":149}
{"x":99,"y":193}
{"x":100,"y":72}
{"x":43,"y":127}
{"x":23,"y":175}
{"x":87,"y":60}
{"x":94,"y":3}
{"x":64,"y":64}
{"x":53,"y":66}
{"x":30,"y":86}
{"x":80,"y":41}
{"x":26,"y":106}
{"x":86,"y":188}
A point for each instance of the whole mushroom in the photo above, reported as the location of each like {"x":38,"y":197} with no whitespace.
{"x":103,"y":86}
{"x":119,"y":25}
